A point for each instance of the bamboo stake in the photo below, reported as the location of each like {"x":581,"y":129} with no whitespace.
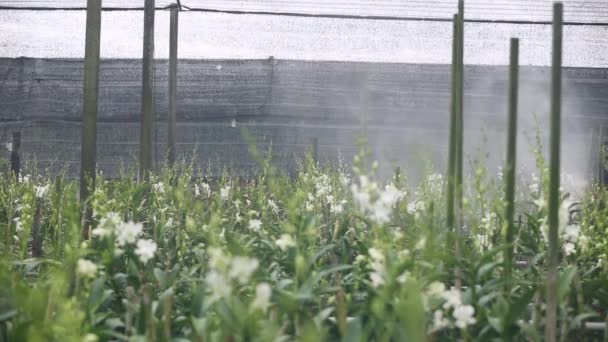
{"x":554,"y":174}
{"x":146,"y":157}
{"x":15,"y":155}
{"x":89,"y":114}
{"x":451,"y":176}
{"x":459,"y":137}
{"x":173,"y":82}
{"x":511,"y":162}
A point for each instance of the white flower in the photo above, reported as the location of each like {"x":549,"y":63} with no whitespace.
{"x":18,"y":225}
{"x":218,"y":285}
{"x":375,"y":254}
{"x":381,"y":212}
{"x":285,"y":241}
{"x":255,"y":225}
{"x":435,"y":289}
{"x":24,"y":178}
{"x":106,"y":225}
{"x":41,"y":190}
{"x":145,"y":250}
{"x":569,"y":248}
{"x":402,"y":279}
{"x":392,"y":195}
{"x":452,"y":298}
{"x":540,"y":202}
{"x":90,"y":338}
{"x":127,"y":232}
{"x":217,"y":258}
{"x":464,"y":316}
{"x":377,"y":279}
{"x":86,"y":268}
{"x":572,"y":232}
{"x":197,"y":191}
{"x":159,"y":187}
{"x":273,"y":206}
{"x":225,"y":192}
{"x":241,"y":268}
{"x":263,"y":292}
{"x":420,"y":244}
{"x":439,"y":321}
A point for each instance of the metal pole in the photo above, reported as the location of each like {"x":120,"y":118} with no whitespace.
{"x":90,"y":108}
{"x":554,"y":174}
{"x":173,"y":82}
{"x":511,"y":162}
{"x":146,"y":157}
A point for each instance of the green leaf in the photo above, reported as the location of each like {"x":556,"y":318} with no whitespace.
{"x":565,"y":279}
{"x":5,"y":316}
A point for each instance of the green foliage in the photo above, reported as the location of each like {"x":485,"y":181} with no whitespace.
{"x":319,"y":255}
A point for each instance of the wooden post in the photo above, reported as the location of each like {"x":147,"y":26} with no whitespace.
{"x":173,"y":82}
{"x":15,"y":156}
{"x":554,"y":175}
{"x":146,"y":156}
{"x":511,"y":163}
{"x":89,"y":114}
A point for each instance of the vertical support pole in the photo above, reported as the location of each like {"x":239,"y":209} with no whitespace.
{"x":510,"y":166}
{"x":89,"y":114}
{"x":315,"y":150}
{"x":15,"y":155}
{"x":459,"y":138}
{"x":554,"y":175}
{"x":173,"y":82}
{"x":601,"y":157}
{"x":146,"y":156}
{"x":364,"y":103}
{"x":451,"y":177}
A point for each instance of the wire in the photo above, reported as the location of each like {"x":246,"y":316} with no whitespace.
{"x":310,"y":15}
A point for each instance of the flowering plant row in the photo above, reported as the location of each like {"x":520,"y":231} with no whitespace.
{"x":327,"y":254}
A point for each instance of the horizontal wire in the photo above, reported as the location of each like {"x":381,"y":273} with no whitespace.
{"x":310,"y":15}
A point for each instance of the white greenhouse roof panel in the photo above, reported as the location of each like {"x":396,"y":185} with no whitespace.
{"x":587,"y":11}
{"x":60,"y":34}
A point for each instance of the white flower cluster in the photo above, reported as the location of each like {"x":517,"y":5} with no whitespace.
{"x":226,"y":269}
{"x":86,"y":268}
{"x":463,"y":315}
{"x":203,"y":191}
{"x":126,"y":233}
{"x":377,"y":203}
{"x":255,"y":225}
{"x":488,"y":227}
{"x":225,"y":192}
{"x":41,"y":191}
{"x":285,"y":242}
{"x":377,"y":274}
{"x":263,"y":293}
{"x":323,"y":193}
{"x":568,"y":232}
{"x":159,"y":187}
{"x":273,"y":206}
